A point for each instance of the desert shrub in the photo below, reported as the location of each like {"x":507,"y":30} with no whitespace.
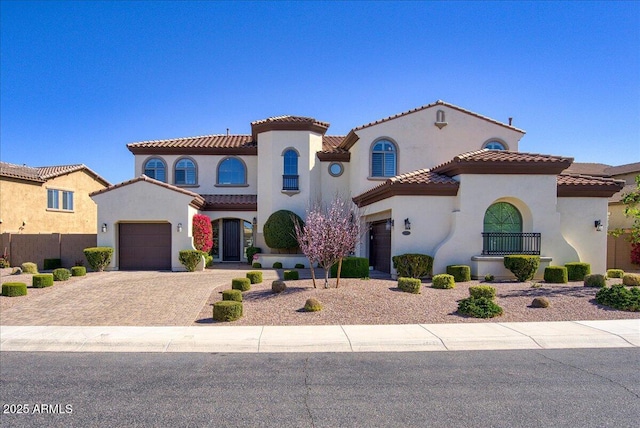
{"x":352,"y":267}
{"x":312,"y":305}
{"x":242,"y":284}
{"x":235,"y":295}
{"x":577,"y":270}
{"x":291,"y":275}
{"x":61,"y":274}
{"x":632,"y":279}
{"x":277,"y":265}
{"x":4,"y":263}
{"x":410,"y":285}
{"x":413,"y":265}
{"x":250,"y":252}
{"x":98,"y":257}
{"x":13,"y":289}
{"x":190,"y":259}
{"x":50,"y":264}
{"x":256,"y":265}
{"x":279,"y":231}
{"x":595,"y":280}
{"x":540,"y":302}
{"x":299,"y":266}
{"x":42,"y":280}
{"x":227,"y":310}
{"x":615,"y":273}
{"x":489,"y":278}
{"x":78,"y":271}
{"x":29,"y":267}
{"x":443,"y":280}
{"x":620,"y":297}
{"x":486,"y":291}
{"x":524,"y":267}
{"x":460,"y":273}
{"x":255,"y":277}
{"x":556,"y":274}
{"x":278,"y":286}
{"x":479,"y":307}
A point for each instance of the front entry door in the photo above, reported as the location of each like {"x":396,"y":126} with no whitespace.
{"x":380,"y":247}
{"x":231,"y":240}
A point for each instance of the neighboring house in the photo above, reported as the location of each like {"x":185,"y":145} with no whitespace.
{"x":52,"y":199}
{"x":438,"y":180}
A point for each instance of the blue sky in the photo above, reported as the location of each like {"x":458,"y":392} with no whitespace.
{"x":80,"y":80}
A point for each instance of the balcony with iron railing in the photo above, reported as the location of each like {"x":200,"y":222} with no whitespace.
{"x":505,"y":243}
{"x":290,"y":183}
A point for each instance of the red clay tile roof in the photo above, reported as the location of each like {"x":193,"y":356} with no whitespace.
{"x":617,"y":197}
{"x":230,"y":202}
{"x":43,"y":173}
{"x":205,"y":144}
{"x":602,"y":170}
{"x":586,"y":186}
{"x":288,"y":123}
{"x":503,"y":162}
{"x":623,"y":169}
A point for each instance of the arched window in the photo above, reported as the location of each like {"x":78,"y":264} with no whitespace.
{"x":290,"y":171}
{"x":502,"y":217}
{"x":231,"y":171}
{"x":185,"y":172}
{"x":494,"y":145}
{"x":383,"y":159}
{"x":155,"y":168}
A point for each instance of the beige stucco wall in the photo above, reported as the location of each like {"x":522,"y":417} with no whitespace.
{"x":24,"y":202}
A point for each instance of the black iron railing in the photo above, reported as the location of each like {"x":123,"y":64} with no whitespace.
{"x":290,"y":182}
{"x":496,"y":243}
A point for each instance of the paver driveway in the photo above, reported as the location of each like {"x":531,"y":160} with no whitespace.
{"x":120,"y":298}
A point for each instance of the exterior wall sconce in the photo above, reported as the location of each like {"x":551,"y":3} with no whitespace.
{"x":407,"y":224}
{"x":598,"y":225}
{"x":179,"y":227}
{"x":255,"y":221}
{"x":389,"y":224}
{"x":104,"y":228}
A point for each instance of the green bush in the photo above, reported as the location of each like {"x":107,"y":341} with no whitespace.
{"x":595,"y":280}
{"x":13,"y":289}
{"x":42,"y":280}
{"x":524,"y":267}
{"x":235,"y":295}
{"x":460,"y":273}
{"x":489,"y":278}
{"x":29,"y":267}
{"x":190,"y":259}
{"x":410,"y":285}
{"x":485,"y":291}
{"x":78,"y":271}
{"x":352,"y":267}
{"x":61,"y":274}
{"x":227,"y":310}
{"x":242,"y":284}
{"x":632,"y":279}
{"x":577,"y":270}
{"x":98,"y":257}
{"x":256,"y":265}
{"x":278,"y":230}
{"x":413,"y":265}
{"x":556,"y":275}
{"x":255,"y":277}
{"x":277,"y":265}
{"x":250,"y":252}
{"x":615,"y":273}
{"x":443,"y":280}
{"x":291,"y":275}
{"x":312,"y":305}
{"x":299,"y":266}
{"x":50,"y":264}
{"x":620,"y":297}
{"x":479,"y":307}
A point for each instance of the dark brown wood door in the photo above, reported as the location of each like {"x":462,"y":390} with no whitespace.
{"x":231,"y":240}
{"x":144,"y":246}
{"x":380,"y":247}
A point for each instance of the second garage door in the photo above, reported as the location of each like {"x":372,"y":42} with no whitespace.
{"x":145,"y":246}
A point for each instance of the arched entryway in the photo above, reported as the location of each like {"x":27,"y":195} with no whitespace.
{"x":502,"y":229}
{"x":231,"y":237}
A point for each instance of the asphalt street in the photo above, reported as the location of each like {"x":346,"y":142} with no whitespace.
{"x":517,"y":388}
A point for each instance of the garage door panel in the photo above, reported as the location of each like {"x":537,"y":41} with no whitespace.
{"x":145,"y":246}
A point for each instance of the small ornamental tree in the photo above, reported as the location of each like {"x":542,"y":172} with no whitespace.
{"x":202,"y":233}
{"x":632,"y":210}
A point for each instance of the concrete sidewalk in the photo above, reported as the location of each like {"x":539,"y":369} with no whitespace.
{"x":328,"y":338}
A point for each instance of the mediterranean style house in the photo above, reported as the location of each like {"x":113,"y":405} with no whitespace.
{"x":437,"y":180}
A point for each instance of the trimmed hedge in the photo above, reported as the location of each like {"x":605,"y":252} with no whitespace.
{"x":577,"y":270}
{"x":250,"y":252}
{"x":460,"y":273}
{"x":50,"y":264}
{"x":98,"y":257}
{"x":235,"y":295}
{"x":227,"y":310}
{"x":190,"y":259}
{"x":291,"y":275}
{"x":279,"y":232}
{"x":556,"y":275}
{"x":256,"y":265}
{"x":523,"y":266}
{"x":277,"y":265}
{"x":486,"y":291}
{"x":312,"y":305}
{"x":479,"y":307}
{"x":242,"y":284}
{"x":413,"y":265}
{"x":352,"y":267}
{"x":78,"y":271}
{"x":410,"y":285}
{"x":632,"y":279}
{"x":42,"y":280}
{"x":255,"y":277}
{"x":615,"y":273}
{"x":443,"y":280}
{"x":278,"y":286}
{"x":620,"y":297}
{"x":29,"y":267}
{"x":299,"y":266}
{"x":13,"y":289}
{"x":595,"y":280}
{"x":61,"y":274}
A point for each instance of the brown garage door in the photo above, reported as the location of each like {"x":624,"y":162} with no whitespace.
{"x":380,"y":247}
{"x":145,"y":246}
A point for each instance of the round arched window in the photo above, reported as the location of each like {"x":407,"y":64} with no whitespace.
{"x":494,"y":145}
{"x":502,"y":217}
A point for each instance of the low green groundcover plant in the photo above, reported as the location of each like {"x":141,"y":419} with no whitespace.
{"x":443,"y":280}
{"x":291,"y":275}
{"x":460,"y":273}
{"x":413,"y":265}
{"x":227,"y":310}
{"x":410,"y":285}
{"x":482,"y":291}
{"x":615,"y":273}
{"x":98,"y":257}
{"x":524,"y":267}
{"x":235,"y":295}
{"x":256,"y":265}
{"x":277,"y":265}
{"x":13,"y":289}
{"x":61,"y":274}
{"x":29,"y":267}
{"x":620,"y":297}
{"x":78,"y":271}
{"x":255,"y":277}
{"x":352,"y":267}
{"x":577,"y":270}
{"x":242,"y":284}
{"x":479,"y":307}
{"x":595,"y":280}
{"x":42,"y":280}
{"x":299,"y":266}
{"x":556,"y":275}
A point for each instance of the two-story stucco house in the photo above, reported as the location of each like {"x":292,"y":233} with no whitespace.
{"x":438,"y":180}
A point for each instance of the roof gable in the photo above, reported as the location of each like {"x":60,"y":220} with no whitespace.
{"x":487,"y":161}
{"x":44,"y":173}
